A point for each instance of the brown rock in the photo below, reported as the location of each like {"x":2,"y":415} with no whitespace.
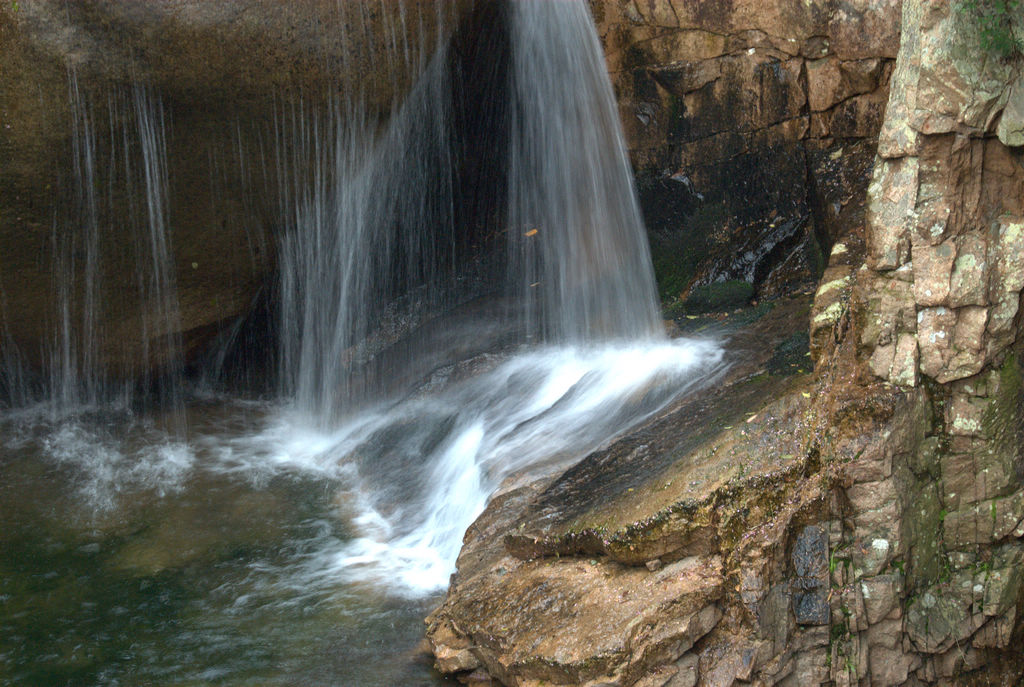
{"x":569,"y":621}
{"x":892,"y":198}
{"x":891,"y":666}
{"x":996,"y":633}
{"x":1011,"y":123}
{"x":985,"y":522}
{"x":881,"y":595}
{"x":933,"y":266}
{"x":968,"y":282}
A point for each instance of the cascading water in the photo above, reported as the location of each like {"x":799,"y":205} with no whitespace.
{"x":72,"y":382}
{"x":466,"y":299}
{"x":369,"y":219}
{"x":578,"y":273}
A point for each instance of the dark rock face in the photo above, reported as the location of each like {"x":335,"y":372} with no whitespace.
{"x":226,"y":78}
{"x":752,"y":126}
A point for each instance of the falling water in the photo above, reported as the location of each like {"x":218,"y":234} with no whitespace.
{"x":373,"y":215}
{"x":75,"y":377}
{"x":465,"y":301}
{"x":433,"y":442}
{"x":575,"y":229}
{"x":161,"y":320}
{"x":368,"y":214}
{"x":96,"y":237}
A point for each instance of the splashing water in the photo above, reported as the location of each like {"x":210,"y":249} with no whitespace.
{"x":413,"y":388}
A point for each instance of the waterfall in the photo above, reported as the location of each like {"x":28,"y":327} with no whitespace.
{"x":161,"y":330}
{"x":75,"y":378}
{"x":464,"y":303}
{"x":109,"y":255}
{"x":576,"y":235}
{"x":375,"y":224}
{"x":566,"y":349}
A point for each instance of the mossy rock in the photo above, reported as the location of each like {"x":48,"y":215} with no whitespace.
{"x":717,"y":297}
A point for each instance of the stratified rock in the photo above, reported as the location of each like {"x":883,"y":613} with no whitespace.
{"x":940,"y":182}
{"x":573,"y":621}
{"x":925,"y":457}
{"x":752,"y":125}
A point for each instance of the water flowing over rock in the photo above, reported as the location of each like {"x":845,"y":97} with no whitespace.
{"x":220,"y":75}
{"x":576,"y":266}
{"x":892,"y":555}
{"x":576,"y":231}
{"x":386,"y":201}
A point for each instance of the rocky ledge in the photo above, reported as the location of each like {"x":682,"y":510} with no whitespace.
{"x":863,"y":525}
{"x":642,"y":563}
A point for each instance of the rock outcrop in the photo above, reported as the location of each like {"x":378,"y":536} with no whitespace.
{"x":865,"y":527}
{"x":930,"y":317}
{"x":691,"y":548}
{"x":752,"y":126}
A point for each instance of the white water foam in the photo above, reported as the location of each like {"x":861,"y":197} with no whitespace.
{"x":408,"y":476}
{"x":105,"y":464}
{"x":415,"y":474}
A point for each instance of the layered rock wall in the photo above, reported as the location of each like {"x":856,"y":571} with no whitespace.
{"x":930,"y":318}
{"x":865,"y":527}
{"x":752,"y":126}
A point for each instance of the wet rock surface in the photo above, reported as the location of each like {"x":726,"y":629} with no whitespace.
{"x":722,"y":101}
{"x":227,"y":83}
{"x":627,"y":567}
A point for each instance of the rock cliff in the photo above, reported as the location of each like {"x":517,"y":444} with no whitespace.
{"x":862,"y":527}
{"x":722,"y":101}
{"x":930,"y":317}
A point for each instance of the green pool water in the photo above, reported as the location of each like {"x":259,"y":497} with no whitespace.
{"x":122,"y":566}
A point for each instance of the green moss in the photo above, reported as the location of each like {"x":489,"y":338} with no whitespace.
{"x":1004,"y":415}
{"x":677,"y":253}
{"x":923,"y":524}
{"x":673,"y":272}
{"x":719,"y":296}
{"x":994,"y":21}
